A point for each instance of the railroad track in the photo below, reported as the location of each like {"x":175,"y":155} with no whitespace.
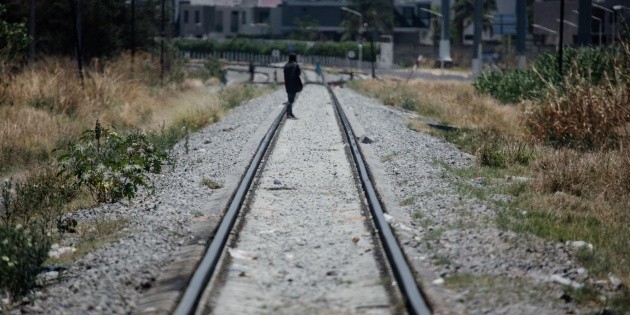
{"x":203,"y":293}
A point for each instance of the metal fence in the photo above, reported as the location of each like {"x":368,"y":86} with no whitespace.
{"x":324,"y":61}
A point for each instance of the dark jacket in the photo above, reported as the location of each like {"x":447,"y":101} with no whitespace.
{"x":292,"y":82}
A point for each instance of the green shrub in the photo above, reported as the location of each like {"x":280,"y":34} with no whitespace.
{"x":213,"y":66}
{"x":38,"y":201}
{"x":496,"y":150}
{"x":234,"y":96}
{"x":22,"y":253}
{"x":109,"y":165}
{"x":333,"y":49}
{"x":510,"y":87}
{"x":491,"y":154}
{"x":516,"y":85}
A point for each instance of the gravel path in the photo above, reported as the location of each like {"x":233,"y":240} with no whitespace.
{"x":305,"y":248}
{"x":443,"y":233}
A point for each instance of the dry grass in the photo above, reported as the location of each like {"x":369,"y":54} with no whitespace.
{"x":451,"y":102}
{"x":46,"y":106}
{"x":584,"y":116}
{"x":601,"y":176}
{"x":91,"y":236}
{"x":572,"y":194}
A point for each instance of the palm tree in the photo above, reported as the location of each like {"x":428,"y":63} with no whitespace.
{"x":377,"y":14}
{"x":463,"y":11}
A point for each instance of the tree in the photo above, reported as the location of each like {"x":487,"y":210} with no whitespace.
{"x":463,"y":11}
{"x":105,"y":25}
{"x":305,"y":26}
{"x":15,"y":39}
{"x":377,"y":15}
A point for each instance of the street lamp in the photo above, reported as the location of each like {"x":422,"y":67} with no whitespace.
{"x":358,"y":14}
{"x":600,"y":25}
{"x":549,"y":31}
{"x":445,"y":54}
{"x":360,"y":32}
{"x":612,"y":15}
{"x":620,"y":7}
{"x":567,"y":23}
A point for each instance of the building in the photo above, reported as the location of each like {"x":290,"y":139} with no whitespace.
{"x":280,"y":19}
{"x":607,"y":19}
{"x":228,"y":18}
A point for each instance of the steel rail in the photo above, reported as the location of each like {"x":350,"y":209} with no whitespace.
{"x":190,"y":300}
{"x":405,"y":280}
{"x":404,"y":277}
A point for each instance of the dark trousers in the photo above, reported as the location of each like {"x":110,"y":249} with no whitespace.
{"x":291,"y":96}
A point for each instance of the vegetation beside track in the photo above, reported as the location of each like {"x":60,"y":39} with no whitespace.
{"x":53,"y":160}
{"x":562,"y":152}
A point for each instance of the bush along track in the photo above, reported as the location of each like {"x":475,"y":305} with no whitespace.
{"x":47,"y":107}
{"x":102,"y":166}
{"x":552,"y":159}
{"x":111,"y":166}
{"x":108,"y":165}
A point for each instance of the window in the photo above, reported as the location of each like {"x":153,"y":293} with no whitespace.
{"x":234,"y":22}
{"x":263,"y":17}
{"x":219,"y":22}
{"x":185,"y":16}
{"x":196,"y":16}
{"x":244,"y":17}
{"x":407,"y":12}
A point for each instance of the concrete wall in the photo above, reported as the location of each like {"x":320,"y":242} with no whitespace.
{"x":191,"y":28}
{"x":330,"y":16}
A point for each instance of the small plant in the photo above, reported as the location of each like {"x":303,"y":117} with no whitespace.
{"x":214,"y":67}
{"x":234,"y":96}
{"x":407,"y":201}
{"x":22,"y":252}
{"x":38,"y":201}
{"x":109,"y":165}
{"x":186,"y":140}
{"x":210,"y":183}
{"x":165,"y":139}
{"x":490,"y":153}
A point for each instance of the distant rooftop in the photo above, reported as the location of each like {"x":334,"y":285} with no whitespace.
{"x":236,"y":3}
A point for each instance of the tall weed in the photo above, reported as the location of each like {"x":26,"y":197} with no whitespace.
{"x":38,"y":201}
{"x":584,"y":116}
{"x":22,"y":253}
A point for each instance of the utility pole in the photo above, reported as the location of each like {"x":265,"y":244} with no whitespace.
{"x":445,"y":43}
{"x":521,"y":32}
{"x":163,"y":35}
{"x":476,"y":56}
{"x":76,"y":18}
{"x":372,"y":51}
{"x":31,"y":31}
{"x":585,"y":11}
{"x":561,"y":38}
{"x":133,"y":33}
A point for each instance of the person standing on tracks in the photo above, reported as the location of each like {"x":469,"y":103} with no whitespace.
{"x":318,"y":71}
{"x":252,"y":70}
{"x":292,"y":82}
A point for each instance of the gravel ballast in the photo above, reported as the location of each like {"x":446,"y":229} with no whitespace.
{"x":454,"y":236}
{"x":468,"y":264}
{"x":304,"y":246}
{"x":110,"y":280}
